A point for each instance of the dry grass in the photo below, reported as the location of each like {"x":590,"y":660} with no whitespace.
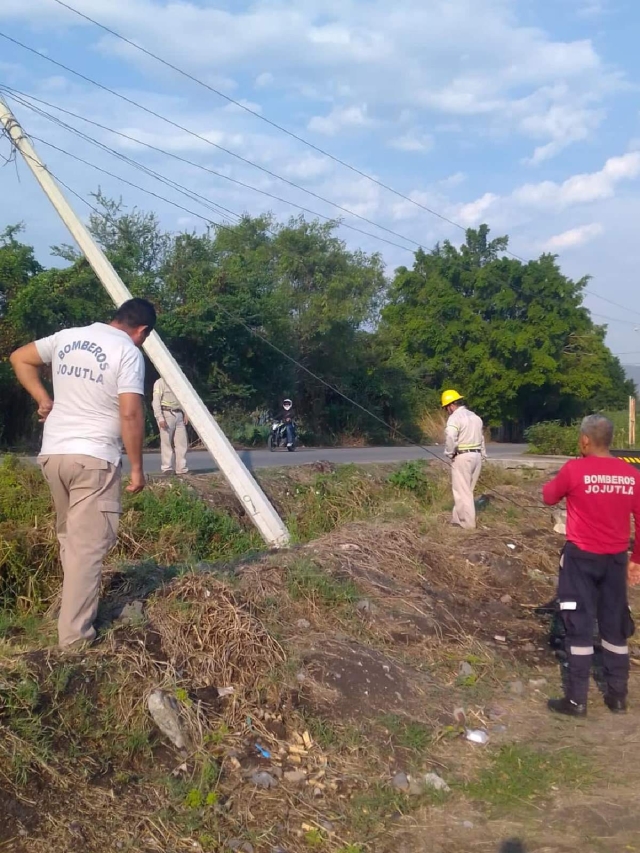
{"x":211,"y":636}
{"x":432,"y":424}
{"x":79,"y":729}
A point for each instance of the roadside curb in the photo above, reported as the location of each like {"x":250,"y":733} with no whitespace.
{"x":540,"y":463}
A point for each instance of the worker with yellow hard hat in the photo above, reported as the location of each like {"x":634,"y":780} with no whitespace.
{"x":464,"y":445}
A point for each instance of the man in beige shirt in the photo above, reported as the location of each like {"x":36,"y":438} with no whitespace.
{"x":173,"y":429}
{"x":464,"y":445}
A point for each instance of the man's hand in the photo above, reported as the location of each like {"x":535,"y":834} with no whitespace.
{"x":185,"y":419}
{"x":138,"y":482}
{"x":163,"y":424}
{"x":45,"y":405}
{"x":633,"y":573}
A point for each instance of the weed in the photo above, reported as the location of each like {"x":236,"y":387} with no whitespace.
{"x":407,"y":734}
{"x":61,"y":678}
{"x":412,"y":477}
{"x":218,"y":736}
{"x":195,"y":799}
{"x":314,"y":838}
{"x":370,"y":810}
{"x":176,"y":520}
{"x":519,"y":774}
{"x":305,"y":580}
{"x":328,"y":735}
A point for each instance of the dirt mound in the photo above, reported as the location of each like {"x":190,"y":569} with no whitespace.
{"x":349,"y":680}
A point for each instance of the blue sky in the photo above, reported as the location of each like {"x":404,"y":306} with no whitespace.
{"x":521,"y":113}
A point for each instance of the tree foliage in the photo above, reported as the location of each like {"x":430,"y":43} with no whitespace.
{"x":513,"y":336}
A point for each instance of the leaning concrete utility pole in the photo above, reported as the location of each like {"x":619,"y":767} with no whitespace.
{"x":248,"y":492}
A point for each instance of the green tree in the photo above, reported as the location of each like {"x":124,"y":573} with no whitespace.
{"x":513,"y":336}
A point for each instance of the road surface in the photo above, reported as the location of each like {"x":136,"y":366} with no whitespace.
{"x":200,"y":462}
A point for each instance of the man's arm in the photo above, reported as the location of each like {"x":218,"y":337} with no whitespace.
{"x":450,"y":440}
{"x":558,"y":488}
{"x":26,"y":363}
{"x":132,"y":427}
{"x":157,"y":404}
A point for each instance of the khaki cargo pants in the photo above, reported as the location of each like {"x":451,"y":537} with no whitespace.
{"x":465,"y":471}
{"x":86,"y":496}
{"x":174,"y":443}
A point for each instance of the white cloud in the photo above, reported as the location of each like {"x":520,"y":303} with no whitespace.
{"x":581,"y":189}
{"x":265,"y":79}
{"x":470,"y":59}
{"x":413,"y":142}
{"x":528,"y":202}
{"x":339,"y":119}
{"x":591,"y":8}
{"x":475,"y":212}
{"x":563,"y":124}
{"x":453,"y":180}
{"x":573,"y":238}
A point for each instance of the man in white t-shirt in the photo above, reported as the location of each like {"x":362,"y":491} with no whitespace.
{"x":98,"y":404}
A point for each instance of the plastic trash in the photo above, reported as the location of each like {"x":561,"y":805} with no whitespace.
{"x":477,"y":736}
{"x":263,"y":752}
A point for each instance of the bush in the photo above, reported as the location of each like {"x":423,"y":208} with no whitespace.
{"x":551,"y":438}
{"x":554,"y":438}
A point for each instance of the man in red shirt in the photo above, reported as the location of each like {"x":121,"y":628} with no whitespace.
{"x":602,"y":494}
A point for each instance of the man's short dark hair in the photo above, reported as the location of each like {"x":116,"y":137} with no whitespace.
{"x":135,"y":313}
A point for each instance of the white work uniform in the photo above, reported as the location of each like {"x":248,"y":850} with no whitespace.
{"x":464,"y":445}
{"x":174,"y":438}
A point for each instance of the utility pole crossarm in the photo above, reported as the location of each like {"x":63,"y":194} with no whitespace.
{"x":246,"y":489}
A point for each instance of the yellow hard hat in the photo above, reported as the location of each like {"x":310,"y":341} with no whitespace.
{"x":449,"y":397}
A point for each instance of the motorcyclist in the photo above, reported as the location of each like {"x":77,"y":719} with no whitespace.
{"x":287,"y":417}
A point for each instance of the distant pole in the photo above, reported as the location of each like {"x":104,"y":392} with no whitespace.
{"x":632,"y":421}
{"x":248,"y":492}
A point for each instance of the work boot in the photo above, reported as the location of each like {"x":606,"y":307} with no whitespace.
{"x":567,"y":707}
{"x":616,"y":704}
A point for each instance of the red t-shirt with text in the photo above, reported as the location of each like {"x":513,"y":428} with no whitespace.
{"x":602,"y":494}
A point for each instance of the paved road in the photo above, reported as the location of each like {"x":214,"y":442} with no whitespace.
{"x":200,"y":461}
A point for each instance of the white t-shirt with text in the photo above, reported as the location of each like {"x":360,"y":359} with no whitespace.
{"x":91,"y":366}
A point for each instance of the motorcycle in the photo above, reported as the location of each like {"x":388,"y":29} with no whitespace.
{"x":279,"y":436}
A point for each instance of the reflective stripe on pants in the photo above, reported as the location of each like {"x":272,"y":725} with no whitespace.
{"x":594,"y":587}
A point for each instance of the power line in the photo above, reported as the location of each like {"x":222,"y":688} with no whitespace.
{"x":261,"y":168}
{"x":205,"y":140}
{"x":15,"y":94}
{"x":292,"y":360}
{"x":125,"y":181}
{"x":288,"y":132}
{"x":615,"y":319}
{"x":194,"y":196}
{"x":611,"y":302}
{"x":263,"y":118}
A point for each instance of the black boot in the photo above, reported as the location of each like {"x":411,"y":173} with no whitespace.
{"x":567,"y":707}
{"x":616,"y":704}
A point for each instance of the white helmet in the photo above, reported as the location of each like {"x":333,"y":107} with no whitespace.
{"x":287,"y":404}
